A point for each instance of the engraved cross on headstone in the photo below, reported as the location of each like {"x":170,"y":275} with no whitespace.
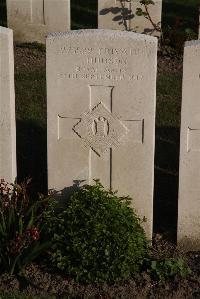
{"x":99,"y":128}
{"x":38,"y":11}
{"x":193,"y":140}
{"x":43,"y":11}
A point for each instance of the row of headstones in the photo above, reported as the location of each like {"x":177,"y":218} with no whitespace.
{"x":32,"y":20}
{"x":101,"y":99}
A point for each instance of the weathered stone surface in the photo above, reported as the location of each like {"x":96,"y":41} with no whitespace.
{"x":7,"y":107}
{"x":101,"y":113}
{"x":121,"y":15}
{"x":32,"y":20}
{"x":189,"y":174}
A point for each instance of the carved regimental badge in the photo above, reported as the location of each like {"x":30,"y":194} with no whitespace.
{"x":100,"y":129}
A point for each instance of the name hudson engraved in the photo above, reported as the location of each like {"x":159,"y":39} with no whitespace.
{"x":105,"y":60}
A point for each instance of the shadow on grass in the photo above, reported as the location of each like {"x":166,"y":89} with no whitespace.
{"x":188,"y":12}
{"x":166,"y":182}
{"x":84,"y":14}
{"x":3,"y":13}
{"x":32,"y":155}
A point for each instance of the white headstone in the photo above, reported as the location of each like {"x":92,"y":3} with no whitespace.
{"x":7,"y":107}
{"x":189,"y":175}
{"x":121,"y":15}
{"x":101,"y":113}
{"x":32,"y":20}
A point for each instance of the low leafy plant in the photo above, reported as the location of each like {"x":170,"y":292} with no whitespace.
{"x":97,"y":237}
{"x":168,"y":268}
{"x":20,"y":226}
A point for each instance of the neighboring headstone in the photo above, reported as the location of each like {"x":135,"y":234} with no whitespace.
{"x":7,"y":107}
{"x":121,"y":15}
{"x":189,"y":174}
{"x":101,"y":91}
{"x":32,"y":20}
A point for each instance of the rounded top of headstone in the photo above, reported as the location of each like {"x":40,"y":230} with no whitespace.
{"x":4,"y":30}
{"x":192,"y":43}
{"x":104,"y":33}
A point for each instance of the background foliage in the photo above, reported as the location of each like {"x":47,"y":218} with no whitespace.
{"x":21,"y":223}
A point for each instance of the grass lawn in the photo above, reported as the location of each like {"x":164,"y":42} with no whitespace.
{"x":30,"y":87}
{"x":169,"y":87}
{"x":187,"y":10}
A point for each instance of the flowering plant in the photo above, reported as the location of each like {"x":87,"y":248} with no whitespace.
{"x":20,"y":226}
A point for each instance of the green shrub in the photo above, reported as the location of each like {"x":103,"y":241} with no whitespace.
{"x":20,"y":227}
{"x":168,"y":268}
{"x":97,"y":237}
